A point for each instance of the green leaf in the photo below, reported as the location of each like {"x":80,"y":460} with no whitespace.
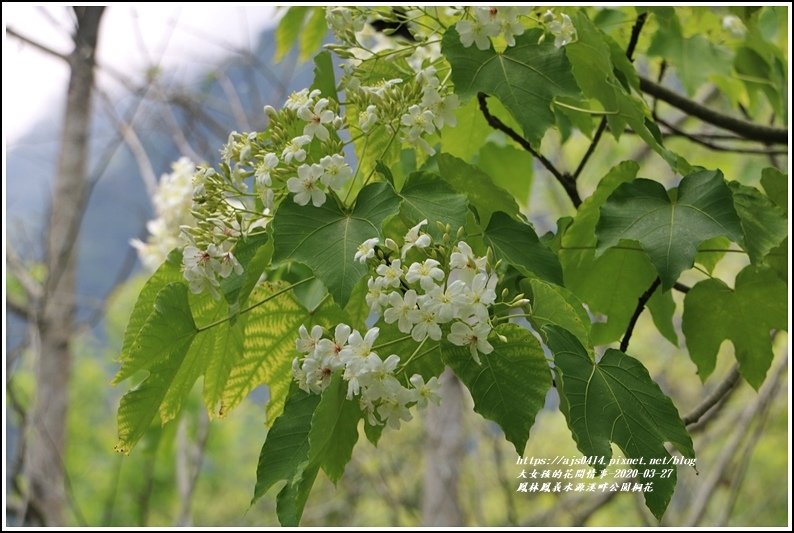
{"x":286,"y":447}
{"x":669,"y":230}
{"x":427,"y":361}
{"x":554,"y":304}
{"x":334,"y":430}
{"x":357,"y":309}
{"x":662,"y":308}
{"x":469,"y":133}
{"x":292,"y":498}
{"x":592,"y":65}
{"x":427,"y":196}
{"x":713,"y":312}
{"x":165,"y":338}
{"x":615,"y":400}
{"x":775,"y":185}
{"x":510,"y":385}
{"x":324,"y":79}
{"x":325,"y":238}
{"x":170,"y":271}
{"x":312,"y":34}
{"x":288,"y":30}
{"x":269,"y":346}
{"x":763,"y":223}
{"x":253,"y":253}
{"x":510,"y":168}
{"x":479,"y":188}
{"x":518,"y":244}
{"x":223,"y":347}
{"x":707,"y":255}
{"x":525,"y":78}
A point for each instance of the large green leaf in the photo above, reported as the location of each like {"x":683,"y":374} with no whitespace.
{"x":554,"y":304}
{"x":334,"y":430}
{"x":525,"y":78}
{"x":169,"y":272}
{"x":469,"y":133}
{"x":713,"y":312}
{"x":596,"y":74}
{"x":269,"y":347}
{"x":479,"y":188}
{"x":288,"y":30}
{"x":669,"y":230}
{"x":615,"y":400}
{"x":775,"y":185}
{"x":517,"y":243}
{"x":510,"y":168}
{"x":312,"y":34}
{"x":286,"y":447}
{"x":165,"y":338}
{"x":510,"y":385}
{"x":324,"y":79}
{"x":763,"y":223}
{"x":325,"y":238}
{"x":427,"y":196}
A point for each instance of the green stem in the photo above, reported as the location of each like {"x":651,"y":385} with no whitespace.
{"x":389,"y":343}
{"x":254,"y":306}
{"x":508,"y":317}
{"x":583,"y":110}
{"x":413,"y":355}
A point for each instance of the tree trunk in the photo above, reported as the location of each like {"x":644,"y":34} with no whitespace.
{"x":46,"y":431}
{"x":444,"y":454}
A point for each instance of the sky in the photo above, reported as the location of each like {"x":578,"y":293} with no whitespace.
{"x":179,"y":37}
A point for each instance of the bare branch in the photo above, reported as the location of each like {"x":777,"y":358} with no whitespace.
{"x":730,"y":381}
{"x":641,"y":302}
{"x":37,"y":45}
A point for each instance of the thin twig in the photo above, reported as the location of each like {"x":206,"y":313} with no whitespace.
{"x":37,"y":45}
{"x":717,"y":147}
{"x":566,"y":180}
{"x":641,"y":301}
{"x":748,"y":130}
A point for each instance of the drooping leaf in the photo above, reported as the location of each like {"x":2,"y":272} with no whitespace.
{"x":325,"y":238}
{"x":479,"y":188}
{"x":253,"y":253}
{"x":517,"y":243}
{"x":669,"y":230}
{"x":427,"y":196}
{"x":510,"y":385}
{"x":286,"y":447}
{"x":662,"y":308}
{"x":169,"y":272}
{"x":745,"y":315}
{"x":764,"y":224}
{"x":334,"y":430}
{"x":554,"y":304}
{"x":775,"y":185}
{"x":269,"y":346}
{"x":288,"y":30}
{"x":165,"y":339}
{"x":525,"y":77}
{"x":224,"y":347}
{"x":592,"y":65}
{"x":509,"y":168}
{"x":324,"y":79}
{"x":292,"y":498}
{"x":615,"y":401}
{"x":312,"y":34}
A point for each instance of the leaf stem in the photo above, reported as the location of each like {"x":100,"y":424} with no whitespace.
{"x":413,"y":355}
{"x":389,"y":343}
{"x":254,"y":306}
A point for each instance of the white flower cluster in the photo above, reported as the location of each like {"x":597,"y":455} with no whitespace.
{"x":372,"y":379}
{"x":431,"y":113}
{"x":203,"y":267}
{"x":172,"y":203}
{"x":487,"y":22}
{"x":561,"y":27}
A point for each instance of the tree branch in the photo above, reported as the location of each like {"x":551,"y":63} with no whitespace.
{"x":37,"y":45}
{"x":635,"y":36}
{"x":748,"y":130}
{"x":730,"y":381}
{"x":716,"y":147}
{"x":641,"y":301}
{"x":565,"y":179}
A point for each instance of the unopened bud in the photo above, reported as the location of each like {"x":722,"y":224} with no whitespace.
{"x":502,"y":338}
{"x":337,"y":123}
{"x":270,"y":111}
{"x":459,"y":234}
{"x":391,"y":245}
{"x":520,"y":303}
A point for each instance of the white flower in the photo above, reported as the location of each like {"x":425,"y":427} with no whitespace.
{"x":229,"y":264}
{"x":368,"y":118}
{"x":563,"y":30}
{"x":509,"y":25}
{"x":483,"y":289}
{"x":294,"y":149}
{"x":358,"y":346}
{"x":380,"y":87}
{"x":317,"y":373}
{"x":301,"y":99}
{"x":443,"y":109}
{"x":426,"y":325}
{"x":366,"y":250}
{"x":375,"y":297}
{"x":307,"y":342}
{"x":418,"y":121}
{"x":393,"y":411}
{"x":336,"y":171}
{"x":474,"y":32}
{"x":445,"y":303}
{"x":464,"y":263}
{"x":475,"y":337}
{"x":305,"y":186}
{"x":344,"y":19}
{"x":316,"y":119}
{"x":413,"y":239}
{"x":426,"y":273}
{"x":390,"y":274}
{"x":401,"y":310}
{"x":330,"y":350}
{"x":734,"y":25}
{"x":264,"y":168}
{"x":425,"y":391}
